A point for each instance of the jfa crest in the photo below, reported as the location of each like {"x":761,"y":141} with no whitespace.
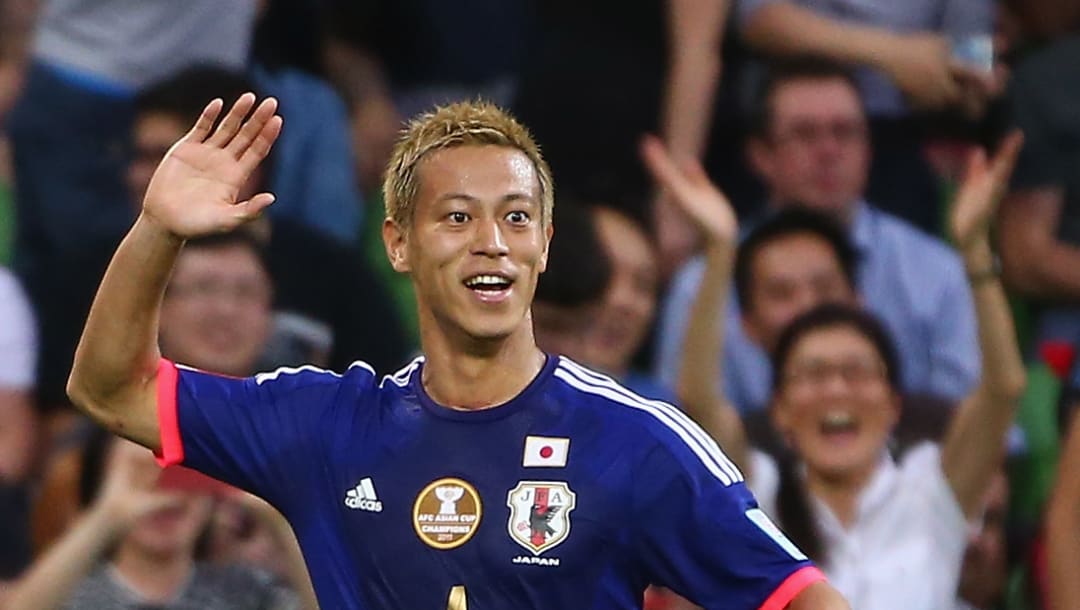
{"x":540,"y":514}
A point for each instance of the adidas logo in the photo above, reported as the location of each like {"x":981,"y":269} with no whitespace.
{"x":363,"y":497}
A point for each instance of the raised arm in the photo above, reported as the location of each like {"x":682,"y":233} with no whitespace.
{"x":688,"y":187}
{"x":974,"y":443}
{"x":193,"y":192}
{"x":695,"y":34}
{"x":919,"y":63}
{"x":1063,"y":528}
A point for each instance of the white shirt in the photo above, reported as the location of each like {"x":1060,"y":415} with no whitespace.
{"x":18,"y":335}
{"x":905,"y":549}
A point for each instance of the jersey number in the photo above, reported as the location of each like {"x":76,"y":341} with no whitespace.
{"x":456,"y":600}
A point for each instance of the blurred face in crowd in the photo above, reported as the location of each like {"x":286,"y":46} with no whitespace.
{"x":152,"y":136}
{"x":835,"y":405}
{"x":477,"y":243}
{"x":817,"y":148}
{"x":789,"y":276}
{"x":630,"y":301}
{"x":237,"y":535}
{"x":216,"y":314}
{"x":173,"y":529}
{"x":982,"y":577}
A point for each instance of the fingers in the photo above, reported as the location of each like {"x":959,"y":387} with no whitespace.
{"x":260,"y":146}
{"x":249,"y":210}
{"x":205,"y":122}
{"x":1008,"y":152}
{"x":250,"y":129}
{"x":662,"y":166}
{"x":230,"y":125}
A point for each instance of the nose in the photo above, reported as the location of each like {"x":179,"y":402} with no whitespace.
{"x":489,"y":240}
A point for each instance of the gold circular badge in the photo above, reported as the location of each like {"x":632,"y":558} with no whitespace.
{"x":447,"y":513}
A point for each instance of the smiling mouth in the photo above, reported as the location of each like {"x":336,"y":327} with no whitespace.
{"x":839,"y":424}
{"x":490,"y":288}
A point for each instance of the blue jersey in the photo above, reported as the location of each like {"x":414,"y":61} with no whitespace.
{"x":575,"y":494}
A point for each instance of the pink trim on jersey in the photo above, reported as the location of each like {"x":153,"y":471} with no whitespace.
{"x":792,"y":586}
{"x":172,"y":450}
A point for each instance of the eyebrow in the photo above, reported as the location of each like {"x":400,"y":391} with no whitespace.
{"x":515,"y":196}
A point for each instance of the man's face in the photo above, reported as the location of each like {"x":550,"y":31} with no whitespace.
{"x":789,"y":276}
{"x":216,"y":313}
{"x":476,"y":245}
{"x":630,"y":300}
{"x":817,"y":149}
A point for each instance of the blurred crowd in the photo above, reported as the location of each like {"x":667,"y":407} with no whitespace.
{"x":787,"y":216}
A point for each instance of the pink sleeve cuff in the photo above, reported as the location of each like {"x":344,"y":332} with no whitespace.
{"x":791,"y":587}
{"x":172,"y":450}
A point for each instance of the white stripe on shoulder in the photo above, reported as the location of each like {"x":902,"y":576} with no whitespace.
{"x":404,"y":374}
{"x":262,"y":378}
{"x":361,"y":364}
{"x":696,"y":439}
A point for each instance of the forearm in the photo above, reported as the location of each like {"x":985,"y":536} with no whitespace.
{"x":52,"y":579}
{"x":784,"y":28}
{"x":1048,"y":270}
{"x":974,"y":443}
{"x":117,"y":357}
{"x":696,"y":30}
{"x":1003,"y":375}
{"x":701,"y":368}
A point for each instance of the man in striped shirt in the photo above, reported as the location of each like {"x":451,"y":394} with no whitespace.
{"x":484,"y":474}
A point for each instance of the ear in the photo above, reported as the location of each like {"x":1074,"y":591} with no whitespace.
{"x":778,"y":414}
{"x":549,"y":232}
{"x":396,"y":241}
{"x":749,"y":327}
{"x":759,"y":155}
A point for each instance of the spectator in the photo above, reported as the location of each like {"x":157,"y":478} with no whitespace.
{"x":1040,"y":219}
{"x":836,"y":401}
{"x":810,"y":145}
{"x":70,"y":127}
{"x":134,"y":547}
{"x":906,"y":60}
{"x":628,"y":307}
{"x":570,"y":291}
{"x":18,"y":422}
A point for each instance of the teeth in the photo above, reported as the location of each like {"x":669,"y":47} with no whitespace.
{"x":839,"y":419}
{"x":486,"y":280}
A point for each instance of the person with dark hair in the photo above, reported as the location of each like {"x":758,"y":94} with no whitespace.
{"x":134,"y":546}
{"x":569,"y":293}
{"x":890,"y":534}
{"x":483,"y":428}
{"x":812,"y":148}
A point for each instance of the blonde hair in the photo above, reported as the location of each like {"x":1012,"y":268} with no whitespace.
{"x":474,"y":123}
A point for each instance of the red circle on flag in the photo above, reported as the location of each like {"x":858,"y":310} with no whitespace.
{"x":546,"y":451}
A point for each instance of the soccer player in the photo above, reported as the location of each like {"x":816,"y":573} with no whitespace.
{"x":483,"y":475}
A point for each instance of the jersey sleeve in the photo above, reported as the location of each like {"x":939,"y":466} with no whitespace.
{"x":703,"y":535}
{"x":256,"y":433}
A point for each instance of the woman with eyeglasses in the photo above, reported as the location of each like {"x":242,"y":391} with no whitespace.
{"x":888,"y":534}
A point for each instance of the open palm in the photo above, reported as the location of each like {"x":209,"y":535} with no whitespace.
{"x":194,"y":190}
{"x":985,"y":182}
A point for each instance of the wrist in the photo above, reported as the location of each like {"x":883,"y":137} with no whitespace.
{"x":157,"y":230}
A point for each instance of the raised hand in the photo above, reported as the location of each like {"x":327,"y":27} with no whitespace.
{"x":689,"y":188}
{"x":128,"y":490}
{"x":194,"y":190}
{"x":985,"y":182}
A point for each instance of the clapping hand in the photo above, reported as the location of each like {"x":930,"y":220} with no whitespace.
{"x":194,"y":190}
{"x":689,"y":187}
{"x":985,"y":182}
